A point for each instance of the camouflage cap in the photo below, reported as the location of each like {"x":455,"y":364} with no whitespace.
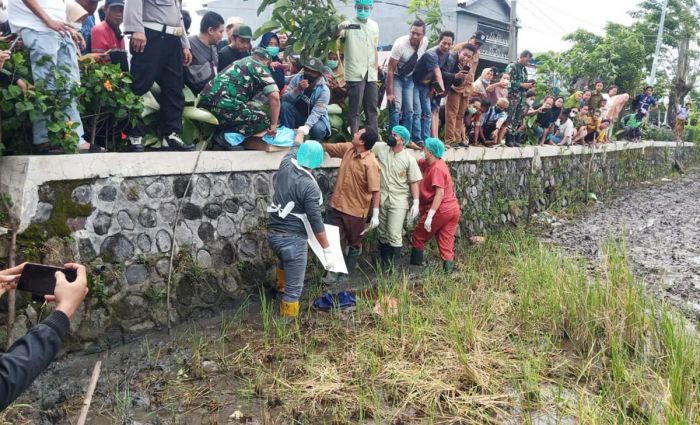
{"x":262,"y":52}
{"x":314,"y":64}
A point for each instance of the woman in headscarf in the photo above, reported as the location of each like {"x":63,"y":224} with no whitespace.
{"x":271,"y":43}
{"x":438,"y":206}
{"x":482,"y":87}
{"x":574,"y":100}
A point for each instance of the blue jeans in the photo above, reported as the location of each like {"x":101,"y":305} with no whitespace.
{"x":63,"y":58}
{"x":290,"y":249}
{"x":290,"y":117}
{"x":401,"y":112}
{"x":422,"y":113}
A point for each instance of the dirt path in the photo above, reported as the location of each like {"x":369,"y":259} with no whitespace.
{"x":661,"y":222}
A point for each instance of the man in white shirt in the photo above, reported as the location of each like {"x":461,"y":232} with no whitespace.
{"x":405,"y":53}
{"x":44,"y":29}
{"x":565,"y":128}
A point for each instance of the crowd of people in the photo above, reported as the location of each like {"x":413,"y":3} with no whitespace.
{"x":429,"y":90}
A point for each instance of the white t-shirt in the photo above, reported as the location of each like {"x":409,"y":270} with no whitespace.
{"x":402,"y":49}
{"x":605,"y":109}
{"x":566,"y":129}
{"x":21,"y":17}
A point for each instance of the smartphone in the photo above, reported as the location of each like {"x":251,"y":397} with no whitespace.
{"x":40,"y":279}
{"x":354,"y":27}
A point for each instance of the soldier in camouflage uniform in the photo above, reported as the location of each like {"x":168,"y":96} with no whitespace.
{"x":516,"y":94}
{"x":230,"y":96}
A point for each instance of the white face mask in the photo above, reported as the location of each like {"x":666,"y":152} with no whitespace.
{"x":530,"y":102}
{"x":572,"y":115}
{"x":422,"y":155}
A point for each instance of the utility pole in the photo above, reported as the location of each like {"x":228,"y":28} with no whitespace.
{"x":513,"y":34}
{"x":659,"y":39}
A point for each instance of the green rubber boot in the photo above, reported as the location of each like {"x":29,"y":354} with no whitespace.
{"x":448,"y":266}
{"x":351,"y":258}
{"x":416,"y":257}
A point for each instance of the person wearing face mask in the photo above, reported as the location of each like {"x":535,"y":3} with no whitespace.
{"x":305,"y":103}
{"x":471,"y":117}
{"x":360,"y":38}
{"x":438,"y":206}
{"x":399,"y":179}
{"x":483,"y":87}
{"x":295,"y":216}
{"x":501,"y":89}
{"x":491,"y":129}
{"x":335,"y":78}
{"x":271,"y":43}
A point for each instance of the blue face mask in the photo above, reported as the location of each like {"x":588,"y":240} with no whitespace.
{"x":273,"y":50}
{"x":363,"y":15}
{"x":332,"y":64}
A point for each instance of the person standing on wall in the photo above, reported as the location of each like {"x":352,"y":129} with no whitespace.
{"x":458,"y":96}
{"x":399,"y":183}
{"x":519,"y":85}
{"x":294,"y":217}
{"x":360,"y":37}
{"x":159,"y":48}
{"x":405,"y":53}
{"x":439,"y":208}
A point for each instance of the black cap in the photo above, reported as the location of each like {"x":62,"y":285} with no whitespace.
{"x":314,"y":64}
{"x":110,"y":3}
{"x":480,"y":37}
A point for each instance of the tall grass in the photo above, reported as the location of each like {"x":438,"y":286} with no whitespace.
{"x":521,"y":334}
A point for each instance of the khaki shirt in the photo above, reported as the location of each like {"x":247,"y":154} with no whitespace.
{"x":357,"y":178}
{"x":399,"y":170}
{"x":360,"y":50}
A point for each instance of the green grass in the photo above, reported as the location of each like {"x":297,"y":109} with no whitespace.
{"x":521,"y":333}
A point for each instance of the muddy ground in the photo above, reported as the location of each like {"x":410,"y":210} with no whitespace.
{"x":661,"y":224}
{"x":659,"y":220}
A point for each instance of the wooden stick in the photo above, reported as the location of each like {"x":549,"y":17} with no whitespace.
{"x":88,"y":397}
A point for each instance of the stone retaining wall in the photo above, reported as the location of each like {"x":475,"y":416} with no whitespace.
{"x":117,"y":213}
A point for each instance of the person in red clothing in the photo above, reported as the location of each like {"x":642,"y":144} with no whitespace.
{"x":106,"y":35}
{"x":438,"y":205}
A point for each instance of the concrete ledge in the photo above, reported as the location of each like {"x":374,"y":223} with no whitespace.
{"x":20,"y":176}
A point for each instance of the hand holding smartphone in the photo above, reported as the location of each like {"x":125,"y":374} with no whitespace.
{"x":41,"y":279}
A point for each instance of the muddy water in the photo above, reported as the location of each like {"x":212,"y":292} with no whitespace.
{"x":661,"y":224}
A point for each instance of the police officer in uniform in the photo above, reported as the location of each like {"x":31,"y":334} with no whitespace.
{"x":159,"y":48}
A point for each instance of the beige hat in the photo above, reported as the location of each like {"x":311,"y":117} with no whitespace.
{"x":232,"y":23}
{"x":502,"y":103}
{"x":75,"y":12}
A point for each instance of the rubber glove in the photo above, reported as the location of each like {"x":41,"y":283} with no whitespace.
{"x":428,"y":225}
{"x":374,"y":222}
{"x":414,"y":210}
{"x":328,"y":254}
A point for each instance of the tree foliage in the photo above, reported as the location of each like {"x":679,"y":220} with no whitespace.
{"x":429,"y":11}
{"x":311,"y":25}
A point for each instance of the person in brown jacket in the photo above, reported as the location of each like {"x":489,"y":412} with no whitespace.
{"x":458,"y":95}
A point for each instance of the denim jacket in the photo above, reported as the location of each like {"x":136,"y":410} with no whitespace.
{"x":319,"y":98}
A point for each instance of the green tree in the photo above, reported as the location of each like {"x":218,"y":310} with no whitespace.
{"x":429,"y":11}
{"x":617,"y":57}
{"x":311,"y":25}
{"x":681,"y":29}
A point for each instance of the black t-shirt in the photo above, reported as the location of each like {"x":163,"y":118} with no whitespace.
{"x":227,"y":56}
{"x":431,"y":59}
{"x":545,"y":118}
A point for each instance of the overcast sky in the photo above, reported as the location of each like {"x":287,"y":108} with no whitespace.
{"x":544,"y":22}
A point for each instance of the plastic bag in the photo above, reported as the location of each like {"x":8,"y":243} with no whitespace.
{"x":284,"y":137}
